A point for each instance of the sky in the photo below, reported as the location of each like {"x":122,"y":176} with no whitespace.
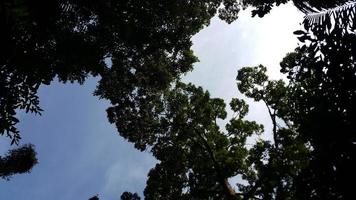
{"x":80,"y":154}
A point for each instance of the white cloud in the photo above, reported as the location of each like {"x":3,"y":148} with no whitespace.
{"x":128,"y":174}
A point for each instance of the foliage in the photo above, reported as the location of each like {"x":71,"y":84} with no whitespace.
{"x":324,"y":73}
{"x":197,"y":158}
{"x":307,"y":159}
{"x":263,"y":7}
{"x":17,"y":161}
{"x":129,"y":196}
{"x":148,"y":43}
{"x":94,"y":198}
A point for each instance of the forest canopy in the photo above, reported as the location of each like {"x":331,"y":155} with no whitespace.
{"x":148,"y":44}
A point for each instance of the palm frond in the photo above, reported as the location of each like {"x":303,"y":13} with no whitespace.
{"x":341,"y":15}
{"x":316,"y":6}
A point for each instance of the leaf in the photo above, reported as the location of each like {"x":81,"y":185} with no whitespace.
{"x":299,"y":32}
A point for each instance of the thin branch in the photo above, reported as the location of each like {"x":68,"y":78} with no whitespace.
{"x":274,"y":122}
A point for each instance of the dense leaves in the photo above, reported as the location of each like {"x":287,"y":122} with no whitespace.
{"x":312,"y":153}
{"x":141,"y":48}
{"x":17,"y":161}
{"x":263,"y":7}
{"x":137,"y":48}
{"x":130,"y":196}
{"x":147,"y":41}
{"x":324,"y":74}
{"x":197,"y":158}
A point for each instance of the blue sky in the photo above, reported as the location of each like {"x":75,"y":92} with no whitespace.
{"x":80,"y":154}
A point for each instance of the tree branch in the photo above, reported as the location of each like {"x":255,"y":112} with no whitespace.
{"x":274,"y":122}
{"x":229,"y":191}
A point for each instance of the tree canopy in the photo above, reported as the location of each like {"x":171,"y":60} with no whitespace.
{"x":132,"y":45}
{"x":141,"y":48}
{"x":148,"y":43}
{"x":313,"y":149}
{"x":197,"y":158}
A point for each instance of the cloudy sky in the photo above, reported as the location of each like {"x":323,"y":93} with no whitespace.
{"x":80,"y":154}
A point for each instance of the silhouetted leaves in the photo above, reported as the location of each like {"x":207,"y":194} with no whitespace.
{"x":312,"y":152}
{"x":94,"y":198}
{"x":196,"y":158}
{"x":17,"y":161}
{"x":148,"y":46}
{"x":148,"y":43}
{"x":130,"y":196}
{"x":180,"y":129}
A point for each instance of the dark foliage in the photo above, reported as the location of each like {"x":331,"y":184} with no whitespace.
{"x":17,"y":161}
{"x":324,"y":74}
{"x":197,"y":158}
{"x":94,"y":198}
{"x":261,"y":8}
{"x":147,"y":41}
{"x":312,"y":154}
{"x":129,"y":196}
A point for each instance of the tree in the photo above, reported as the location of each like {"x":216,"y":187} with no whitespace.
{"x":147,"y":41}
{"x":307,"y":160}
{"x":280,"y":169}
{"x":148,"y":44}
{"x":322,"y":102}
{"x":197,"y":158}
{"x":324,"y":72}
